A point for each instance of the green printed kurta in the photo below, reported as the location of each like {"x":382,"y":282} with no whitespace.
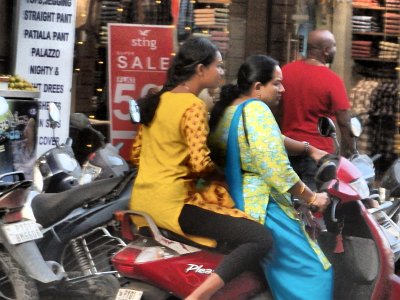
{"x":265,"y":165}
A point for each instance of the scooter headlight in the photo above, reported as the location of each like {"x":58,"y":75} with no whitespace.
{"x":361,"y":187}
{"x":66,"y":162}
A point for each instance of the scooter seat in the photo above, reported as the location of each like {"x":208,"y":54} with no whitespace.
{"x":52,"y":207}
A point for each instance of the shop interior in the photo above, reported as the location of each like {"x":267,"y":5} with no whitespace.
{"x":368,"y":47}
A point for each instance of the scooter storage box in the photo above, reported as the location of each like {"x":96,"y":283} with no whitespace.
{"x":391,"y":179}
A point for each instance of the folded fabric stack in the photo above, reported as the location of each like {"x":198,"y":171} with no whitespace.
{"x":221,"y":39}
{"x":377,"y":97}
{"x":388,"y":50}
{"x":361,"y":48}
{"x":360,"y":95}
{"x":213,"y":23}
{"x":364,"y":24}
{"x":381,"y":71}
{"x":215,"y":1}
{"x":366,"y":3}
{"x":211,"y":17}
{"x":393,"y":4}
{"x":391,"y":23}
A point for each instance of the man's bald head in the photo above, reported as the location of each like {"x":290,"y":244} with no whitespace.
{"x":321,"y":44}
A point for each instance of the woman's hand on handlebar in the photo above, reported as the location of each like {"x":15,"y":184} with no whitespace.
{"x":321,"y":202}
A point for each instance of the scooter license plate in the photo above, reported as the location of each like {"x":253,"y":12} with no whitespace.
{"x":20,"y":232}
{"x":129,"y":294}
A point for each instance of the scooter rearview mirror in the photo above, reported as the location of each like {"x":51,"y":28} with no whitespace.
{"x":326,"y":127}
{"x":3,"y":106}
{"x":54,"y":113}
{"x":54,"y":116}
{"x":134,"y":111}
{"x":355,"y":126}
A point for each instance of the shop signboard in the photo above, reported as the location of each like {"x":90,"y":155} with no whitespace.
{"x":43,"y":55}
{"x":138,"y":58}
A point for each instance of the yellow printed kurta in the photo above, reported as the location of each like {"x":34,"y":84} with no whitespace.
{"x":172,"y":154}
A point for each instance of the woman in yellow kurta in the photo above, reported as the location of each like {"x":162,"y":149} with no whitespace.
{"x":247,"y":142}
{"x":172,"y":154}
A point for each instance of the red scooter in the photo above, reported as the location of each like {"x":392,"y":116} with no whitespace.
{"x":158,"y":266}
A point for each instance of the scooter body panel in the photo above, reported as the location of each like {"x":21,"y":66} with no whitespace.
{"x":382,"y":289}
{"x":340,"y":187}
{"x":342,"y":191}
{"x":347,"y":172}
{"x":394,"y":287}
{"x":189,"y":270}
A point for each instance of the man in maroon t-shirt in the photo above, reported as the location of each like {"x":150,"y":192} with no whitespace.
{"x":312,"y":90}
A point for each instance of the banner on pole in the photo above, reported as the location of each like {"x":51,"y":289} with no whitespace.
{"x":138,"y":58}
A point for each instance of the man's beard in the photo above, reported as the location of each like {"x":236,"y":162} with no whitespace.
{"x":330,"y":58}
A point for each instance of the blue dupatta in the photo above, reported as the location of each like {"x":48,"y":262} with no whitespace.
{"x":233,"y":170}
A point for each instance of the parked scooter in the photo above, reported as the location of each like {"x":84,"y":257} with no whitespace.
{"x":79,"y":233}
{"x":78,"y":238}
{"x":21,"y":263}
{"x":58,"y":169}
{"x":159,"y":266}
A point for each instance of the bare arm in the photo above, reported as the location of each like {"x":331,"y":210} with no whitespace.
{"x":308,"y":197}
{"x":294,"y":147}
{"x":347,"y":145}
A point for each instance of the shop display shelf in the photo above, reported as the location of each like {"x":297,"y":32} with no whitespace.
{"x":376,"y":8}
{"x":375,"y":59}
{"x":373,"y":33}
{"x":19,"y":94}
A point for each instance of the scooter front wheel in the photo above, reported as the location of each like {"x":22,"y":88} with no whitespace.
{"x":14,"y":282}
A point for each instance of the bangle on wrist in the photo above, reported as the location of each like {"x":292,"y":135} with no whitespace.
{"x":313,"y":198}
{"x":306,"y":148}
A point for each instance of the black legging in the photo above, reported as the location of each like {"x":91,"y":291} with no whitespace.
{"x":250,"y":240}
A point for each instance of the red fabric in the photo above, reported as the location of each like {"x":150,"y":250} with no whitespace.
{"x":364,"y":43}
{"x":310,"y":92}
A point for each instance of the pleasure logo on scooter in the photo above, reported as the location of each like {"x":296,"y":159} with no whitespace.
{"x":198,"y":269}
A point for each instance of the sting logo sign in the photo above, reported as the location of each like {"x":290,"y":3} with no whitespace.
{"x":198,"y":269}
